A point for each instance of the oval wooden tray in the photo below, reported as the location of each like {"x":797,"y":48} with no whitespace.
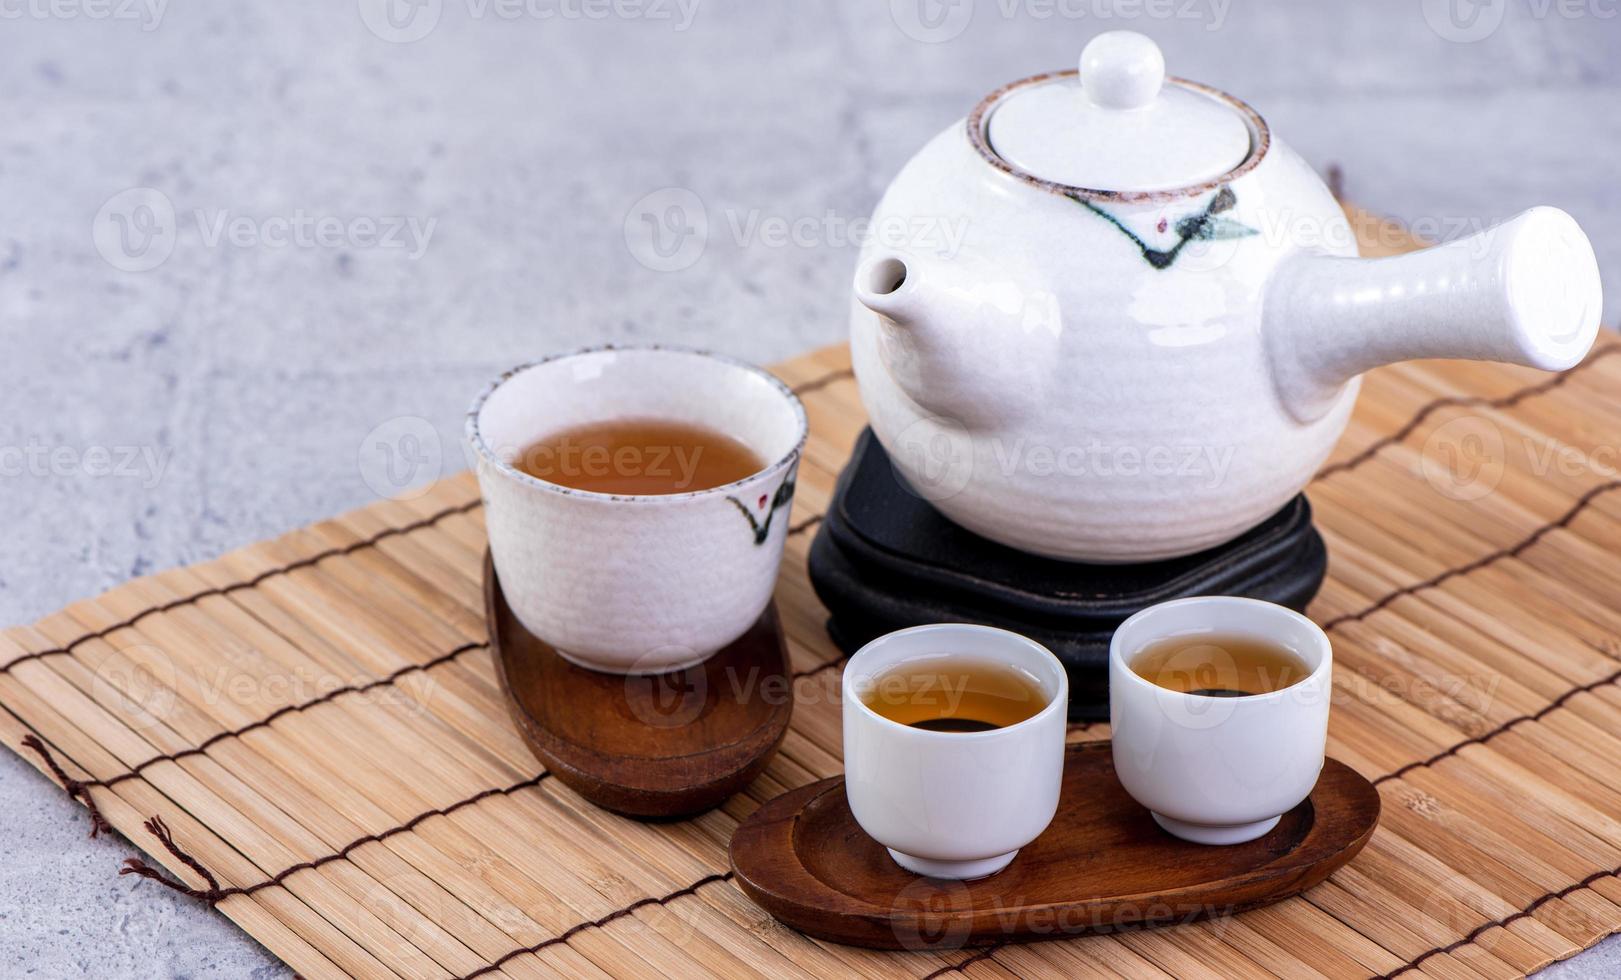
{"x":665,"y":746}
{"x":1102,"y":865}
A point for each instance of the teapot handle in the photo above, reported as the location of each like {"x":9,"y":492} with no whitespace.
{"x":1526,"y":291}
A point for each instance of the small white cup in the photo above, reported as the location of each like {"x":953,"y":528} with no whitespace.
{"x":636,"y":584}
{"x":953,"y":804}
{"x":1219,"y":770}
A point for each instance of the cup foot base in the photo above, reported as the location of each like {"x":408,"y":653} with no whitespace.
{"x":632,"y":670}
{"x":959,"y":870}
{"x":1205,"y":833}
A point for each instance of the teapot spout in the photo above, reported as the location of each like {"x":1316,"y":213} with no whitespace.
{"x":917,"y":323}
{"x":889,"y":286}
{"x":960,"y":339}
{"x":1525,"y":292}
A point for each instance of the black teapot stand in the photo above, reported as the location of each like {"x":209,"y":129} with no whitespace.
{"x":885,"y":559}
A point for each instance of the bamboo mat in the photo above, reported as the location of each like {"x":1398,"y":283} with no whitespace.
{"x":315,"y":722}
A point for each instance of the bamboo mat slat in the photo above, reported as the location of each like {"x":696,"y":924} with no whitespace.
{"x":315,"y":725}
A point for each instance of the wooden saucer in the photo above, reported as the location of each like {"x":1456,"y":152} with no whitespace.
{"x":1102,"y":865}
{"x":669,"y":745}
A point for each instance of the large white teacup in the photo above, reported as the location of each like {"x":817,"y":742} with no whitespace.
{"x":636,"y":584}
{"x":1219,"y":770}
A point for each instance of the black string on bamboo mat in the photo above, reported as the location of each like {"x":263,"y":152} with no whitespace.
{"x":221,"y":590}
{"x":805,"y":525}
{"x":214,"y":894}
{"x":817,"y":384}
{"x":576,"y":929}
{"x":76,"y":789}
{"x":1514,"y":551}
{"x":983,"y":954}
{"x":1506,"y":920}
{"x":1562,"y":700}
{"x":135,"y":866}
{"x":1334,"y":177}
{"x":84,"y":785}
{"x":1462,"y":401}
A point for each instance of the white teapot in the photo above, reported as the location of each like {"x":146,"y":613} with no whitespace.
{"x":1151,"y":334}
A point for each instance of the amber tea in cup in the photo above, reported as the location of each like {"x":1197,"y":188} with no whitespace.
{"x":639,"y":456}
{"x":952,"y":694}
{"x":1219,"y":666}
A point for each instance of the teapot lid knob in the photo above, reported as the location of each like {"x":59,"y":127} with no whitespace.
{"x":1121,"y":70}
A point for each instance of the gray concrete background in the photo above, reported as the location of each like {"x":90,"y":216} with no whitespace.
{"x":237,"y":387}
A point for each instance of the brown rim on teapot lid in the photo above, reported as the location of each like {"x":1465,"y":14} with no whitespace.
{"x":1116,"y":129}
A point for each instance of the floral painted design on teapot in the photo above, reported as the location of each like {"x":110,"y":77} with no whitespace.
{"x":1206,"y":226}
{"x":1151,"y":335}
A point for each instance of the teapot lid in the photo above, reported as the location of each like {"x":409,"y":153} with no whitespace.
{"x":1114,"y":127}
